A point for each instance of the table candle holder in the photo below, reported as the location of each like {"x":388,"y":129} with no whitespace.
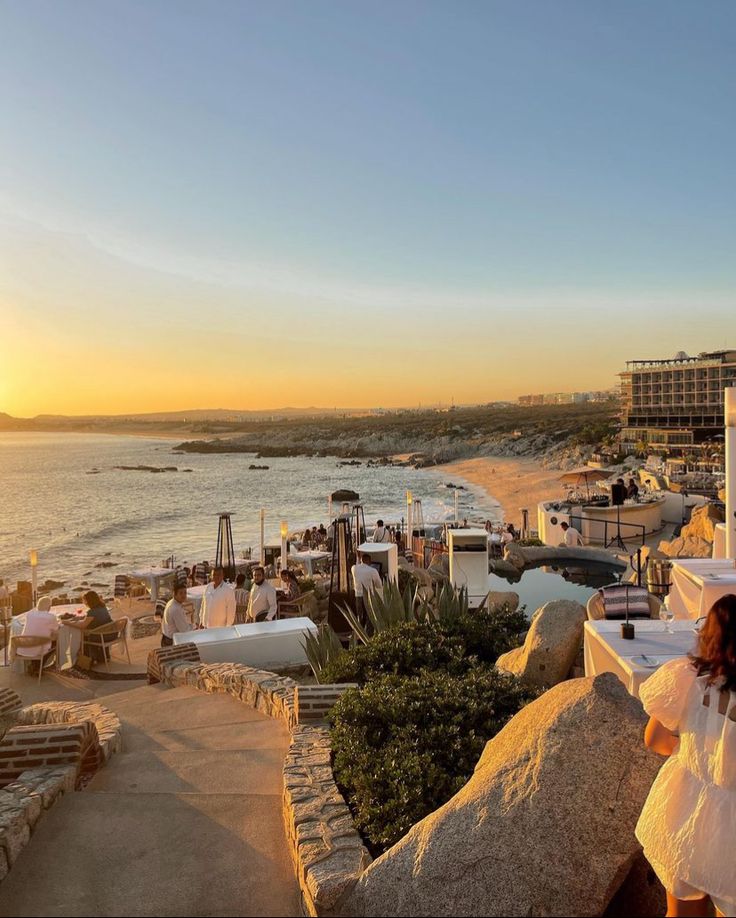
{"x":627,"y":631}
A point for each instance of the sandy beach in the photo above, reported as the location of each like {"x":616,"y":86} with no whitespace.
{"x":512,"y":483}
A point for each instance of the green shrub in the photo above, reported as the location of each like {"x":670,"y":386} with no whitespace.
{"x":403,"y":746}
{"x":453,"y":645}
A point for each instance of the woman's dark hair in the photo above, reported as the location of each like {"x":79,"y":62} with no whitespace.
{"x":289,"y":575}
{"x":240,"y":580}
{"x":93,"y":599}
{"x":716,"y":654}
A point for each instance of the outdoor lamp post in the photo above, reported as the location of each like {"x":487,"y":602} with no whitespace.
{"x":263,"y":540}
{"x":729,"y":406}
{"x":34,"y":574}
{"x":329,"y":509}
{"x":409,"y":520}
{"x":457,"y":515}
{"x":284,"y":534}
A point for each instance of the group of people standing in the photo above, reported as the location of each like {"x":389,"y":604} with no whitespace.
{"x":224,"y":604}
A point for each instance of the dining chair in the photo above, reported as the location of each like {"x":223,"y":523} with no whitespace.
{"x":104,"y":637}
{"x":32,"y":647}
{"x":294,"y":608}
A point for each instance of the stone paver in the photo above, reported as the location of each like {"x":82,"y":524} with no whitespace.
{"x":186,"y":821}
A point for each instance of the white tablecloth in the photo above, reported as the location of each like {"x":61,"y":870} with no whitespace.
{"x":68,"y":640}
{"x":606,"y":651}
{"x":195,"y":594}
{"x":697,"y":583}
{"x":719,"y":541}
{"x":153,"y":576}
{"x":309,"y":558}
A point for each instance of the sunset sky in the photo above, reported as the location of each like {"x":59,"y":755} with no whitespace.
{"x":244,"y":204}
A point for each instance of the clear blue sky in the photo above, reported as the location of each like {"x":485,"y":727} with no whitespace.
{"x":525,"y":170}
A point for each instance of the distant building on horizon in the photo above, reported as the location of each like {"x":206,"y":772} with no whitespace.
{"x":567,"y":398}
{"x":675,"y":405}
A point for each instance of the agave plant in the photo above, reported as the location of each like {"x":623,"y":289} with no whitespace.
{"x":445,"y":606}
{"x":385,"y":608}
{"x":321,"y":648}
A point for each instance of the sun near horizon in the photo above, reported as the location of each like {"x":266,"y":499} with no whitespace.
{"x":342,"y":208}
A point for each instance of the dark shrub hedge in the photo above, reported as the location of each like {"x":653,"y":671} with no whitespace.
{"x":454,"y":646}
{"x":403,"y":746}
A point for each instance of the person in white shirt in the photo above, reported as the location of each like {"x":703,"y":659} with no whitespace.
{"x":365,"y":579}
{"x":380,"y":533}
{"x":175,"y":620}
{"x":571,"y":537}
{"x":262,"y":601}
{"x":38,"y":625}
{"x":218,"y":602}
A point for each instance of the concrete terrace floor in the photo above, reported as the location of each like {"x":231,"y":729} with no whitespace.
{"x":186,"y":821}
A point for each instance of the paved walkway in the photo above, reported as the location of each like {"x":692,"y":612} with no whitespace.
{"x":185,"y":821}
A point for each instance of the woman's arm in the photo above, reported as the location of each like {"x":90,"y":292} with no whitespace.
{"x":659,"y":739}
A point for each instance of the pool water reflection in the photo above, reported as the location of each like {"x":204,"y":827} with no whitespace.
{"x":538,"y":585}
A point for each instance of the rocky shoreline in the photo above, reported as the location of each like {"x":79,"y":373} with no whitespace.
{"x":380,"y":451}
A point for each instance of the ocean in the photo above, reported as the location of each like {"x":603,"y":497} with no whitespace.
{"x":62,"y":495}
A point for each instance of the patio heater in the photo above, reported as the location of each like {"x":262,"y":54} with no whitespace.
{"x":524,"y":522}
{"x":418,"y":517}
{"x":225,"y":553}
{"x":457,"y":508}
{"x":729,"y":405}
{"x":342,"y":592}
{"x":358,"y":526}
{"x":409,"y":520}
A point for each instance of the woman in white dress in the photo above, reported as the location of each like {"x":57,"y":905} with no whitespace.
{"x":688,"y":825}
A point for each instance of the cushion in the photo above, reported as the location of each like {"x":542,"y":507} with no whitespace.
{"x":616,"y":598}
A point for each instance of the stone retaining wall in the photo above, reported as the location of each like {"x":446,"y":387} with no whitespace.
{"x":161,"y":655}
{"x":48,"y":745}
{"x":56,"y":746}
{"x":314,"y":702}
{"x":10,"y":702}
{"x":23,"y":802}
{"x":327,"y":851}
{"x":106,"y":724}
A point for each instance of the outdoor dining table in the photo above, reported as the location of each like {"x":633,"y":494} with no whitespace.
{"x":309,"y":557}
{"x":696,"y":583}
{"x":68,"y":640}
{"x":153,"y":577}
{"x":195,"y":594}
{"x":719,"y":541}
{"x":605,"y":651}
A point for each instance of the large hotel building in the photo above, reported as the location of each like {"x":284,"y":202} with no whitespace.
{"x":675,"y":405}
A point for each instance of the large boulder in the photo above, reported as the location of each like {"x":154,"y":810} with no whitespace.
{"x":686,"y":548}
{"x":502,"y":599}
{"x":439,"y":567}
{"x":345,"y":494}
{"x":703,"y":522}
{"x":552,"y":643}
{"x":545,"y":826}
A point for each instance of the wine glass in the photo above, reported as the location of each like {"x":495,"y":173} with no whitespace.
{"x":666,"y":615}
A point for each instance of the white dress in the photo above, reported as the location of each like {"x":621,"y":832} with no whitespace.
{"x":688,"y":824}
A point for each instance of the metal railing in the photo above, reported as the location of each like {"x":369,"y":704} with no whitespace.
{"x":616,"y":525}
